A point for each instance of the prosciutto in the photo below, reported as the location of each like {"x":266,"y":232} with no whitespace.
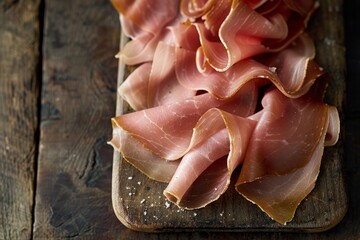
{"x":219,"y":86}
{"x":284,"y":153}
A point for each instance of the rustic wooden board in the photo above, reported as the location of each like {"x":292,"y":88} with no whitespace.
{"x":73,"y":195}
{"x":19,"y":91}
{"x":140,"y":205}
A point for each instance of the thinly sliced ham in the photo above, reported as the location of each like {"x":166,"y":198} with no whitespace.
{"x":164,"y":87}
{"x":135,"y":89}
{"x":142,"y":48}
{"x":157,"y":14}
{"x":134,"y":152}
{"x":284,"y":153}
{"x":146,"y":30}
{"x":218,"y":146}
{"x":195,"y":8}
{"x":166,"y":130}
{"x":292,"y":71}
{"x":245,"y":32}
{"x":197,"y":109}
{"x":333,"y":130}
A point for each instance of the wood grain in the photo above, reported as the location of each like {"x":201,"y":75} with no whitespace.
{"x":140,"y":204}
{"x":19,"y":91}
{"x":78,"y":100}
{"x":70,"y":207}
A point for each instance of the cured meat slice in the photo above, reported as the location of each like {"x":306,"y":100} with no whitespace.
{"x":333,"y":131}
{"x":246,"y":32}
{"x":135,"y":153}
{"x":163,"y":86}
{"x":142,"y":48}
{"x":218,"y":145}
{"x":292,"y":70}
{"x":157,"y":14}
{"x":241,"y":36}
{"x":295,"y":66}
{"x":134,"y":89}
{"x":284,"y":153}
{"x":185,"y":36}
{"x":166,"y":130}
{"x":155,"y":83}
{"x":145,"y":29}
{"x":195,"y":8}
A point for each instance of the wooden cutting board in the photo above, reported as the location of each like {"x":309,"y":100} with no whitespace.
{"x":140,"y":205}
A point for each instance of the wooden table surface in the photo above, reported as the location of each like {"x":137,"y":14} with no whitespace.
{"x":57,"y":94}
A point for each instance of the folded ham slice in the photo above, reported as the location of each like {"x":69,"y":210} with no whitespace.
{"x":292,"y":71}
{"x":284,"y":153}
{"x":165,"y":131}
{"x":246,"y":28}
{"x":218,"y":145}
{"x":146,"y":30}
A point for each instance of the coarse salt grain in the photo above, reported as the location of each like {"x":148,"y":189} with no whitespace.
{"x":272,"y":69}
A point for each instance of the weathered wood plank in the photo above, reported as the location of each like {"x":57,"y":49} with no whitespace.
{"x":64,"y":205}
{"x":78,"y":99}
{"x":19,"y":92}
{"x":140,"y":204}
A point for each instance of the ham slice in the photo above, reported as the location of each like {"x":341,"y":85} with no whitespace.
{"x":234,"y":30}
{"x":164,"y":87}
{"x":166,"y":130}
{"x":157,"y":14}
{"x":292,"y":71}
{"x":218,"y":146}
{"x":135,"y":89}
{"x":146,"y":30}
{"x":284,"y":153}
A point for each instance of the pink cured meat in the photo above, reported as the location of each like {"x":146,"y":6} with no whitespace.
{"x":245,"y":32}
{"x":163,"y":87}
{"x":292,"y":71}
{"x":145,"y":29}
{"x":284,"y":153}
{"x":154,"y":139}
{"x":218,"y":146}
{"x":135,"y":89}
{"x":166,"y":130}
{"x":154,"y":83}
{"x":157,"y":14}
{"x":196,"y":92}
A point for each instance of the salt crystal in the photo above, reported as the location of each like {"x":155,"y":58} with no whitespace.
{"x":195,"y":214}
{"x":273,"y":69}
{"x":130,"y":178}
{"x":167,"y":204}
{"x":139,"y":183}
{"x":142,"y":201}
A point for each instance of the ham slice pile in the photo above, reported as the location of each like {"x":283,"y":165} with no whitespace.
{"x":221,"y":85}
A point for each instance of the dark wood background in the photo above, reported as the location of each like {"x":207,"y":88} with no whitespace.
{"x":57,"y":94}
